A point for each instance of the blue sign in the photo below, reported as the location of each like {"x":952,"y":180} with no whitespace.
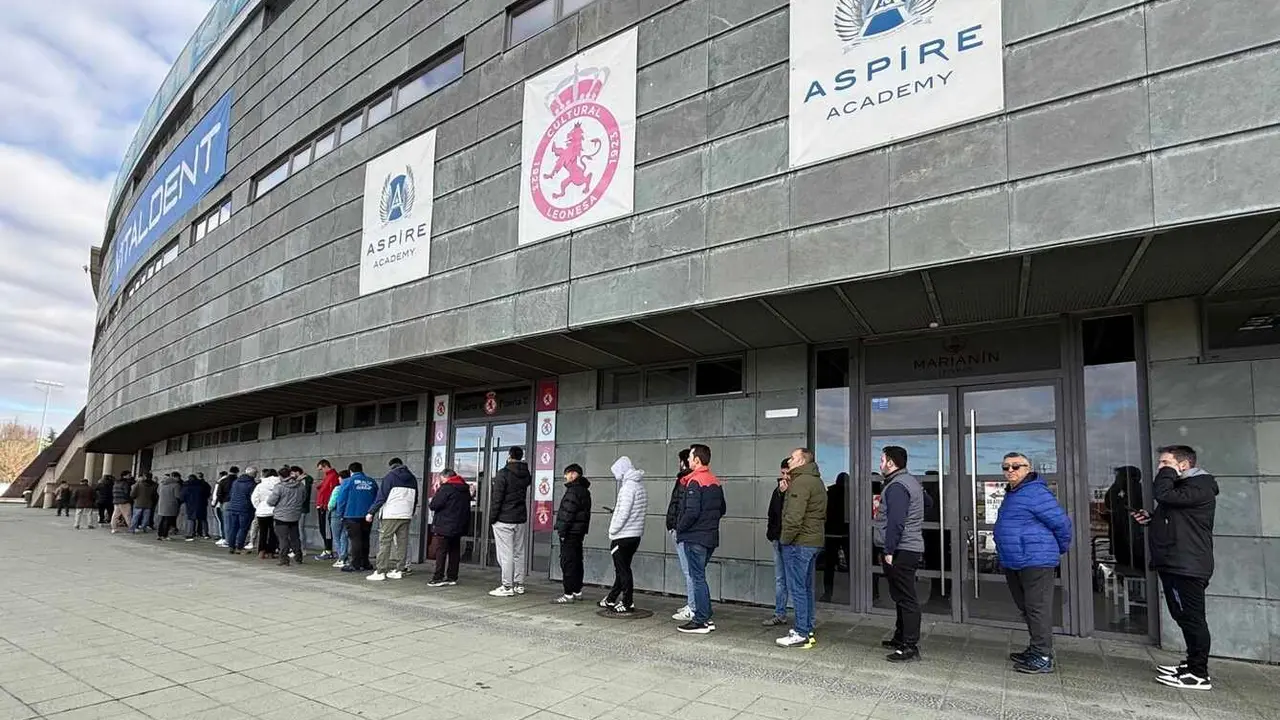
{"x":186,"y":176}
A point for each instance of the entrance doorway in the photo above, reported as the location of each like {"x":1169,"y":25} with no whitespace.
{"x":956,"y":437}
{"x":479,"y":451}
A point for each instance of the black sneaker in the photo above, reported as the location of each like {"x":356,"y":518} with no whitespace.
{"x":904,"y":654}
{"x":1185,"y":681}
{"x":1018,"y":656}
{"x":1034,"y":664}
{"x":695,"y":628}
{"x":1173,"y":669}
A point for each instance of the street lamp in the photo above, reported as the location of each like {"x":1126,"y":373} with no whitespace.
{"x":48,"y":386}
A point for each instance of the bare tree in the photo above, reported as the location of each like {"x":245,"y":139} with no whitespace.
{"x":18,"y":447}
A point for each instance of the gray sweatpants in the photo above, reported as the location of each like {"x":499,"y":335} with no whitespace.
{"x":510,"y":540}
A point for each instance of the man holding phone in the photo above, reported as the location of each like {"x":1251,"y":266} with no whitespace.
{"x":1180,"y":531}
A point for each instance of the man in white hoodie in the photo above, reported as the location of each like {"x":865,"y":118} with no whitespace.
{"x":625,"y":528}
{"x":264,"y":514}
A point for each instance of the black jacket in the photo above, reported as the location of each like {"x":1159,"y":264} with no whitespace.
{"x":701,"y":508}
{"x":104,"y":492}
{"x":222,"y":494}
{"x":452,"y":507}
{"x":507,"y":498}
{"x":673,"y":505}
{"x":773,"y":530}
{"x":1181,"y":528}
{"x":574,"y":514}
{"x":122,"y":491}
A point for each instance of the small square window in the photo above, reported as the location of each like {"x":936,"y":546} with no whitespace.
{"x":364,"y":416}
{"x":309,"y":423}
{"x":621,"y":388}
{"x":325,"y":144}
{"x":295,"y":425}
{"x":718,"y":377}
{"x":271,"y":179}
{"x":387,"y":413}
{"x":224,"y":212}
{"x":301,"y":159}
{"x":351,"y":128}
{"x":409,"y":411}
{"x":431,"y":80}
{"x":379,"y":111}
{"x":200,"y":230}
{"x":530,"y":20}
{"x":666,"y":383}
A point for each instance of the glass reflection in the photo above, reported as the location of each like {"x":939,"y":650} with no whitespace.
{"x":831,"y":432}
{"x":1013,"y":406}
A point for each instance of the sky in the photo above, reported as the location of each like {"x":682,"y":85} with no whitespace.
{"x":74,"y":84}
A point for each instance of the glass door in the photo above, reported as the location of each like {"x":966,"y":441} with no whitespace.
{"x":479,"y":451}
{"x":501,"y":439}
{"x":998,"y":420}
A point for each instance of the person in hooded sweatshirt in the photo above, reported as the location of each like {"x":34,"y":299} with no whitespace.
{"x":238,"y":510}
{"x":358,"y":495}
{"x":1180,"y":536}
{"x":264,"y":512}
{"x":288,"y":500}
{"x":195,"y":498}
{"x":451,"y":520}
{"x":684,"y":614}
{"x":395,"y":504}
{"x":625,"y":528}
{"x":329,"y":481}
{"x":337,"y":526}
{"x":168,"y":503}
{"x":573,"y":521}
{"x":509,"y":515}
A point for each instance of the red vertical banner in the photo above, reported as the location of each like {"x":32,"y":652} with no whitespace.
{"x":439,"y":448}
{"x":544,"y":458}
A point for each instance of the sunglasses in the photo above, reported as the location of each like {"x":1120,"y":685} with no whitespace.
{"x":1007,"y":468}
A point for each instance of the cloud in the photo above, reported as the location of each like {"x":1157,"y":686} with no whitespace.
{"x":75,"y":83}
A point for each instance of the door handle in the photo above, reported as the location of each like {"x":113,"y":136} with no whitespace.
{"x":973,"y":490}
{"x":942,"y":514}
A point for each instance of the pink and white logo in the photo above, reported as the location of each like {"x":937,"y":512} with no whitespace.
{"x":578,"y":153}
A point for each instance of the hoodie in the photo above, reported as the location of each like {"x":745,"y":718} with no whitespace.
{"x":262,"y":506}
{"x":144,"y":494}
{"x":633,"y":502}
{"x":451,"y":506}
{"x":170,"y":497}
{"x":1181,"y":529}
{"x":328,"y":484}
{"x":240,"y":495}
{"x":358,"y":494}
{"x":289,"y":499}
{"x":573,"y":517}
{"x":508,"y":495}
{"x":398,"y":495}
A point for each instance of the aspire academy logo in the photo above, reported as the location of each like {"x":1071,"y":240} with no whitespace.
{"x":578,"y":153}
{"x":857,"y":21}
{"x":398,"y":195}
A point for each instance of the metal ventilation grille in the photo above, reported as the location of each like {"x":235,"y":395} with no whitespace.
{"x":1077,"y":277}
{"x":818,"y":314}
{"x":1189,"y":261}
{"x":891,"y":304}
{"x":1261,"y":271}
{"x":752,"y":323}
{"x":634,"y":344}
{"x":691,"y":331}
{"x":978,"y":291}
{"x":577,"y":352}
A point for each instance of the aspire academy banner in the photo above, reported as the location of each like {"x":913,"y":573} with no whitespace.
{"x":399,"y":189}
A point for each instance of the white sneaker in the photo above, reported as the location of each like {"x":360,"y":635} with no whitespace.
{"x":248,"y":547}
{"x":1185,"y":681}
{"x":394,"y":574}
{"x":518,"y":589}
{"x":684,"y":614}
{"x":221,"y":543}
{"x":338,"y":563}
{"x":502,"y":591}
{"x":795,"y":639}
{"x":376,"y":577}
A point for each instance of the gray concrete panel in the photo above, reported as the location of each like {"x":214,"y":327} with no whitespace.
{"x":672,"y":129}
{"x":760,"y":44}
{"x":759,"y":209}
{"x":1214,"y":99}
{"x":1047,"y":210}
{"x":672,"y":79}
{"x":1200,"y":390}
{"x":1100,"y":126}
{"x":1185,"y":31}
{"x":673,"y":30}
{"x":844,"y":249}
{"x":849,"y":186}
{"x":1085,"y":57}
{"x":744,"y":103}
{"x":1026,"y":18}
{"x":747,"y":268}
{"x":671,"y":180}
{"x":748,"y":156}
{"x":950,"y":161}
{"x":956,"y":228}
{"x":1233,"y":175}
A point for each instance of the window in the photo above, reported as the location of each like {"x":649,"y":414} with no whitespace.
{"x":325,"y":144}
{"x":389,"y":412}
{"x":672,"y":383}
{"x":530,"y":18}
{"x":301,"y":159}
{"x":148,"y":271}
{"x":1241,"y":329}
{"x":173,"y":445}
{"x":300,"y":424}
{"x":225,"y":436}
{"x":271,"y":178}
{"x":351,"y":127}
{"x":439,"y":74}
{"x":380,"y":110}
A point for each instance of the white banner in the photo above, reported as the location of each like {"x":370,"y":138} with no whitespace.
{"x":399,"y":190}
{"x":578,"y":149}
{"x":866,"y":73}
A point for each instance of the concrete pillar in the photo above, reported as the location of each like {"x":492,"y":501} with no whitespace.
{"x":113,"y":465}
{"x":93,"y":467}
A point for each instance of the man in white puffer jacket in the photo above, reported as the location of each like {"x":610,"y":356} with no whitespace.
{"x":625,"y":528}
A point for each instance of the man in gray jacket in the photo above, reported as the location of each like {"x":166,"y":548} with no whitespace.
{"x":288,"y":500}
{"x":898,"y":528}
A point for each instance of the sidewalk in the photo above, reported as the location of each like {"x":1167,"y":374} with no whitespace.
{"x":101,"y":626}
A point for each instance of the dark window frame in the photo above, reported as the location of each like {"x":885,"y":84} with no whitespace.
{"x":520,"y":8}
{"x":604,"y":380}
{"x":1261,"y":351}
{"x":303,"y":421}
{"x":376,"y":408}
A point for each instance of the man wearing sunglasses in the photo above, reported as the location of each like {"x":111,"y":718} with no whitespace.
{"x":1032,"y":532}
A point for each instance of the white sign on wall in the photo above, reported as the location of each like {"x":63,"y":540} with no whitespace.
{"x":399,"y":189}
{"x":578,"y":149}
{"x":866,"y":73}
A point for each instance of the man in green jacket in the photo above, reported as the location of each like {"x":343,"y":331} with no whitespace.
{"x":804,"y":519}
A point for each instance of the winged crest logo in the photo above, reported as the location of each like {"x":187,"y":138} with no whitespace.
{"x":857,"y":21}
{"x":398,"y":195}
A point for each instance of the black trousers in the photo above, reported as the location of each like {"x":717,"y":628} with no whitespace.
{"x":168,"y":523}
{"x":267,"y":541}
{"x":64,"y":505}
{"x":1185,"y":598}
{"x":1032,"y":591}
{"x":448,"y":555}
{"x":902,"y":588}
{"x":198,"y":526}
{"x":624,"y":586}
{"x":358,"y":531}
{"x":104,"y":513}
{"x":326,"y":533}
{"x":287,"y":532}
{"x":571,"y":563}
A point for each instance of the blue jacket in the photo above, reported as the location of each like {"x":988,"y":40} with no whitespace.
{"x":242,"y":494}
{"x":1032,"y":530}
{"x":701,"y":507}
{"x":358,"y":493}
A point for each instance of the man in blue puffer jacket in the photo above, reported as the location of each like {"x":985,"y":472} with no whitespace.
{"x":1032,"y":532}
{"x":239,"y":510}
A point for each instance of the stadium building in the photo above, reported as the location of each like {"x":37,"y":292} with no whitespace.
{"x":354,"y":230}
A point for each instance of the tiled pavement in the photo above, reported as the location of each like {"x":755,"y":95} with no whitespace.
{"x":101,"y":626}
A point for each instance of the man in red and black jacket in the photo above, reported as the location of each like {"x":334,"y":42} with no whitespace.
{"x":329,"y":481}
{"x":698,"y":529}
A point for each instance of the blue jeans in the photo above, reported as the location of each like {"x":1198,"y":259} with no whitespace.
{"x":684,"y":570}
{"x":780,"y":595}
{"x":141,"y":519}
{"x":800,"y":561}
{"x":238,"y":523}
{"x":339,"y":531}
{"x":699,"y":556}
